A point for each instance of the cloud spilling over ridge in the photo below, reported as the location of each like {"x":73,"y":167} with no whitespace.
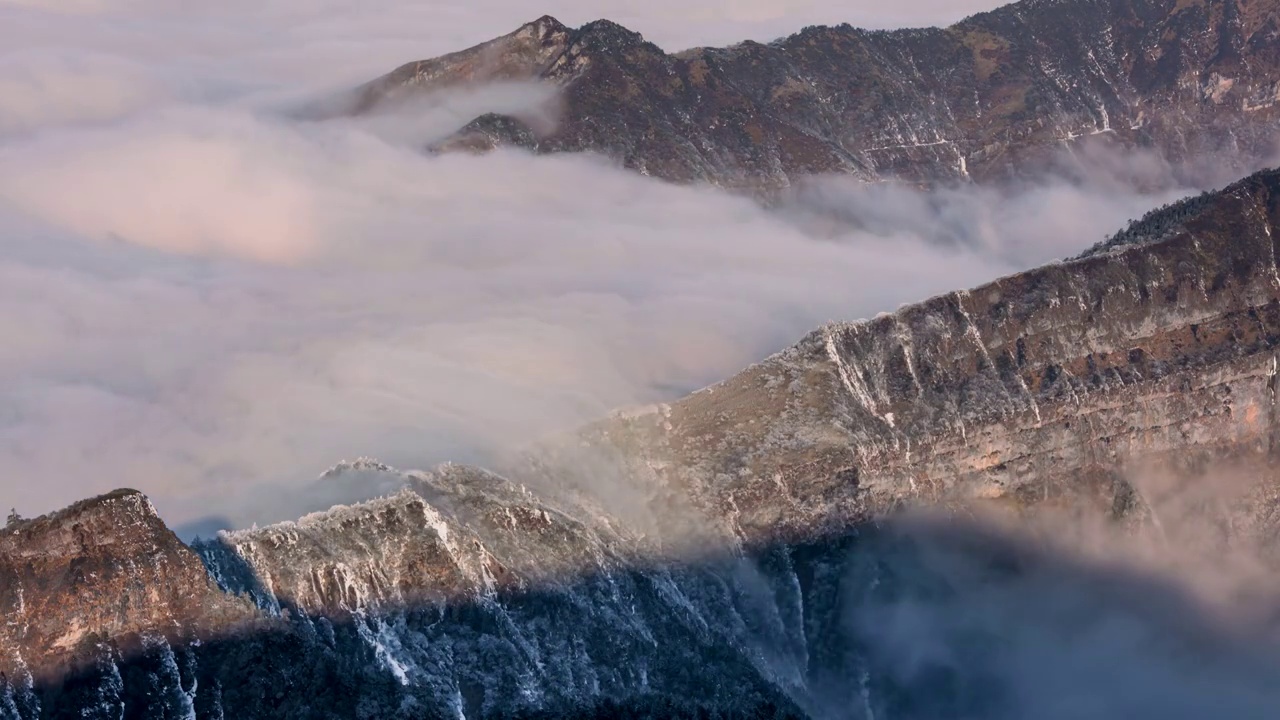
{"x":201,"y":297}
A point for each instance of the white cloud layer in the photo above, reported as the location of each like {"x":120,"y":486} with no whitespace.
{"x":199,"y":297}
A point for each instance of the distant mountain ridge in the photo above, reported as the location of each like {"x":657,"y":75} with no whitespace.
{"x":475,"y":593}
{"x":988,"y":99}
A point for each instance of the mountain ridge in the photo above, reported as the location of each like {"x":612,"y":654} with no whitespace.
{"x":989,"y":99}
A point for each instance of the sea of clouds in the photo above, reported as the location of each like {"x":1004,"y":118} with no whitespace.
{"x":204,"y":298}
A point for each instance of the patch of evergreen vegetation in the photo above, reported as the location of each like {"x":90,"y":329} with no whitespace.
{"x":1156,"y":225}
{"x":1168,"y":219}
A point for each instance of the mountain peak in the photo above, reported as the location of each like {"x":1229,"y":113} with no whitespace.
{"x":609,"y":30}
{"x":363,"y":463}
{"x":1167,"y":220}
{"x":997,"y":392}
{"x":544,"y":26}
{"x":123,"y":507}
{"x":56,"y":570}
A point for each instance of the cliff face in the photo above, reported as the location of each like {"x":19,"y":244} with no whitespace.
{"x":987,"y":99}
{"x":104,"y":570}
{"x":705,"y":551}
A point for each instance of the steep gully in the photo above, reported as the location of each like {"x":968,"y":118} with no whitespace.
{"x":740,"y":525}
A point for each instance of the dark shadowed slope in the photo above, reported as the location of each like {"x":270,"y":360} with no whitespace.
{"x":989,"y":98}
{"x":907,"y":620}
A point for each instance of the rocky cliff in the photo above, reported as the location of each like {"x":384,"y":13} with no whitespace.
{"x":106,"y":570}
{"x":704,"y":555}
{"x":988,"y":99}
{"x":452,"y":534}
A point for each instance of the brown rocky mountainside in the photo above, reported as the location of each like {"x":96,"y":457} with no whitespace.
{"x":1049,"y":386}
{"x":104,"y":570}
{"x":987,"y":99}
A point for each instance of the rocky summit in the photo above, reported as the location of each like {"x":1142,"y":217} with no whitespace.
{"x":702,"y":558}
{"x":995,"y":97}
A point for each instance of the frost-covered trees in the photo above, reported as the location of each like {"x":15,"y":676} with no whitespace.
{"x":1157,"y":224}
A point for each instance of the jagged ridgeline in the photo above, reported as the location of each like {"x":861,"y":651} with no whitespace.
{"x":770,"y":577}
{"x":761,"y":636}
{"x":993,"y":98}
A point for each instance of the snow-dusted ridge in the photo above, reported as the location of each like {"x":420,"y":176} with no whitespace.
{"x":448,"y":534}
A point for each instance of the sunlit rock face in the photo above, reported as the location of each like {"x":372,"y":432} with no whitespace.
{"x":104,"y":570}
{"x":988,"y":99}
{"x":448,"y":535}
{"x":729,"y":552}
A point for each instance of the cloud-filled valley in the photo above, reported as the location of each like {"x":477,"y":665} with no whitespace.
{"x":1050,"y":497}
{"x":204,"y":298}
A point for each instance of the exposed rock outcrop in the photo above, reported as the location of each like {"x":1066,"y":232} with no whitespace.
{"x":105,"y":570}
{"x":450,"y":535}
